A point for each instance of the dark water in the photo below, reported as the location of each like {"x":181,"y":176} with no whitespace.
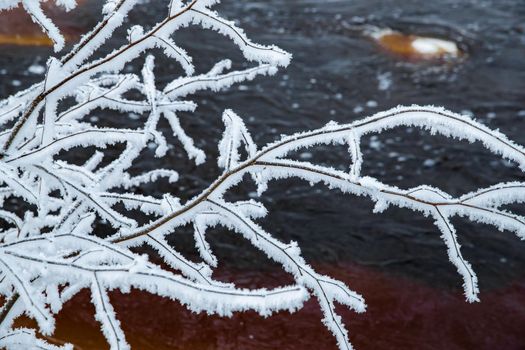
{"x":340,"y":74}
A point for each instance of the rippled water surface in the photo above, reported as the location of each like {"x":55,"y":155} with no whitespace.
{"x":395,"y":259}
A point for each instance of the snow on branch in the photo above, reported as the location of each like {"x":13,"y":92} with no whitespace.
{"x":271,"y":163}
{"x":54,"y":250}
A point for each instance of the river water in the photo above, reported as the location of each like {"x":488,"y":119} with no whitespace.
{"x":395,"y":259}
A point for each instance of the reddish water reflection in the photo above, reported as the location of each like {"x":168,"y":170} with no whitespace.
{"x":17,"y":28}
{"x":402,"y":314}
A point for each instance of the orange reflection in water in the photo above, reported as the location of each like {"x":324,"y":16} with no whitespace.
{"x":415,"y":47}
{"x":17,"y":28}
{"x":25,"y":40}
{"x":402,"y":314}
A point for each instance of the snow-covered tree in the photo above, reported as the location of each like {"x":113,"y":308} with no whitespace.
{"x":49,"y":249}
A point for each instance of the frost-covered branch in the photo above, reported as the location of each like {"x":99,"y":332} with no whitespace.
{"x":271,"y":163}
{"x":53,"y":250}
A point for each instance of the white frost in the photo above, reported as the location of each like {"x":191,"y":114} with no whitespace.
{"x":52,"y":251}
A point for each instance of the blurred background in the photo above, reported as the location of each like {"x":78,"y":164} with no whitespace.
{"x":352,"y":58}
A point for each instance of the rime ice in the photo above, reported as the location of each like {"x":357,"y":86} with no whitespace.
{"x":52,"y":252}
